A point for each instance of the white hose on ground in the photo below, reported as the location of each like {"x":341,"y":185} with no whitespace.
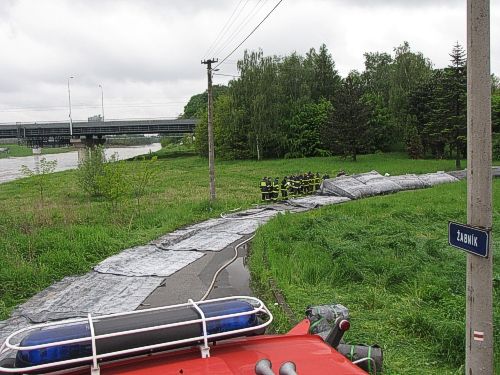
{"x":225,"y":265}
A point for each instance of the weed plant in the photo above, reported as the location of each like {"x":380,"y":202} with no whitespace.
{"x":386,"y":259}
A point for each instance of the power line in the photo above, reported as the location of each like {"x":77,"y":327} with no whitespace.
{"x":248,"y":36}
{"x":222,"y":30}
{"x":241,"y":27}
{"x":226,"y":75}
{"x":86,"y":106}
{"x":233,"y":21}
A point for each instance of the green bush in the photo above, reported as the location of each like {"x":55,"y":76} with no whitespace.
{"x":90,"y":171}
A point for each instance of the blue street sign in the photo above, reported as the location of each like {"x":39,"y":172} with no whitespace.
{"x":473,"y":240}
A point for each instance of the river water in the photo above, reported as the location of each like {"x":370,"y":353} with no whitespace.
{"x":10,"y":168}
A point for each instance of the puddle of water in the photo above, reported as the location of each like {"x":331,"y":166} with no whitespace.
{"x":10,"y":168}
{"x":235,"y":279}
{"x":239,"y":276}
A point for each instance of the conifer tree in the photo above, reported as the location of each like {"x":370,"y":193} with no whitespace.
{"x":349,"y":129}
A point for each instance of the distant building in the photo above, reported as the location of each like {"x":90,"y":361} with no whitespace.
{"x":96,"y":118}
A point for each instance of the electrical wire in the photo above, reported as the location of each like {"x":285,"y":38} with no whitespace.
{"x":242,"y":25}
{"x":212,"y":46}
{"x":226,"y":75}
{"x":86,"y":106}
{"x":248,"y":36}
{"x":233,"y":21}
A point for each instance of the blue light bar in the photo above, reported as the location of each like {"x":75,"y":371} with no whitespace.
{"x":228,"y":324}
{"x":35,"y":357}
{"x":26,"y":358}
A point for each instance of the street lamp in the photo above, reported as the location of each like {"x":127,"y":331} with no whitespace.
{"x":102,"y":102}
{"x":69,"y":100}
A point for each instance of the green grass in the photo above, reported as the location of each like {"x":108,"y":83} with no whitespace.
{"x":17,"y":150}
{"x":387,"y":259}
{"x":70,"y":233}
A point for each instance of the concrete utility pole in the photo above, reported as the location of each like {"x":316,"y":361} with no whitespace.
{"x":211,"y":152}
{"x":479,"y":305}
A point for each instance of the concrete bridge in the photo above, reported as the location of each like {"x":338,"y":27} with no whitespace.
{"x":91,"y":129}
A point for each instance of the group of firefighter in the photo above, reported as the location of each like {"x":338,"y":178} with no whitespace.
{"x":290,"y":186}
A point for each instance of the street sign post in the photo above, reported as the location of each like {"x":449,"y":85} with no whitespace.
{"x":470,"y":239}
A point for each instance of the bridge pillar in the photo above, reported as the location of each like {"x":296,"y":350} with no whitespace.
{"x":84,"y":145}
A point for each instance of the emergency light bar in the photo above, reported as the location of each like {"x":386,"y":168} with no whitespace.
{"x":81,"y":341}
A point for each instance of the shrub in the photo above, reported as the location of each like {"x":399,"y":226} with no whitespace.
{"x":39,"y":173}
{"x":90,"y":171}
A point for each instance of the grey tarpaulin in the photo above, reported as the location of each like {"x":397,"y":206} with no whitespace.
{"x":359,"y":186}
{"x":147,"y":261}
{"x":437,"y":178}
{"x":461,"y":175}
{"x":209,"y":240}
{"x":11,"y":325}
{"x":378,"y":183}
{"x":246,"y":226}
{"x":93,"y":292}
{"x":409,"y":182}
{"x":343,"y":186}
{"x":496,"y":171}
{"x":318,"y":200}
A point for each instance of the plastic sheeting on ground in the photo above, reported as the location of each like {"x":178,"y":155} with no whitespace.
{"x":9,"y":326}
{"x":318,"y":200}
{"x":378,"y":184}
{"x":409,"y":182}
{"x":437,"y":178}
{"x":209,"y":240}
{"x":147,"y":261}
{"x":235,"y":226}
{"x":460,"y":175}
{"x":93,"y":292}
{"x":359,"y":186}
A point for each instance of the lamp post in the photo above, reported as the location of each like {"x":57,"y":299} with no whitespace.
{"x":69,"y":100}
{"x":102,"y":101}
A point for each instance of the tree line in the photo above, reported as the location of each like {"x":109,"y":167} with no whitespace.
{"x":297,"y":106}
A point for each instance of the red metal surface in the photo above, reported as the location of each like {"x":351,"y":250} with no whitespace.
{"x":239,"y":356}
{"x":301,"y":329}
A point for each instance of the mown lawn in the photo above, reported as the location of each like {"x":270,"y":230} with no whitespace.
{"x":387,"y":259}
{"x":17,"y":150}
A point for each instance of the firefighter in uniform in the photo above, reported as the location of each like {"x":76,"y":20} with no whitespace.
{"x":269,"y":189}
{"x":317,"y":181}
{"x":263,"y":189}
{"x":310,"y":180}
{"x":276,"y":189}
{"x":284,"y":188}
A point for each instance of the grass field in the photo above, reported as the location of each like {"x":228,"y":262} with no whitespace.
{"x":388,"y":260}
{"x":69,"y":232}
{"x":17,"y":150}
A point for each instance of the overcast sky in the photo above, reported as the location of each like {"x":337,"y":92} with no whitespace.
{"x":146,"y":54}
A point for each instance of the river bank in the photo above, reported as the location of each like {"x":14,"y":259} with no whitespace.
{"x":66,"y":158}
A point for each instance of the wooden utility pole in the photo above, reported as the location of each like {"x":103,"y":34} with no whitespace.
{"x":211,"y":151}
{"x":479,"y":305}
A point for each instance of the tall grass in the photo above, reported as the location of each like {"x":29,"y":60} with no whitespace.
{"x":387,"y":259}
{"x":71,"y":233}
